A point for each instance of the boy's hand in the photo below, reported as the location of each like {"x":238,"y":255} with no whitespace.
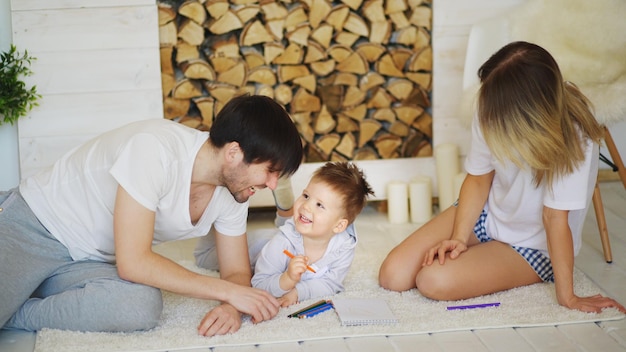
{"x":293,"y":274}
{"x":297,"y":267}
{"x":289,"y":298}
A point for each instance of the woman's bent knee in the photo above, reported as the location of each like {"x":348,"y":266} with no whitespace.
{"x":434,"y":284}
{"x":392,"y":278}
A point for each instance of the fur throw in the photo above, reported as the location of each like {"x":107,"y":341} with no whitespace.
{"x":587,"y":39}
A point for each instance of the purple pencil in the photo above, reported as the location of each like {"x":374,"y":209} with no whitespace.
{"x":472,"y":306}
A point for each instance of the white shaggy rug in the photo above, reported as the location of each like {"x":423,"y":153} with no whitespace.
{"x":533,"y":305}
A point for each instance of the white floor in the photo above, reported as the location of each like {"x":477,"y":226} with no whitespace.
{"x":609,"y":336}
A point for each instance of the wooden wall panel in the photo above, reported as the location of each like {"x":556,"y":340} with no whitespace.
{"x":85,"y":29}
{"x":21,"y":5}
{"x":39,"y":152}
{"x":74,"y":114}
{"x":95,"y":71}
{"x":97,"y":68}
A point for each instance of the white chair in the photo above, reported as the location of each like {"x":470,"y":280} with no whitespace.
{"x":485,"y":39}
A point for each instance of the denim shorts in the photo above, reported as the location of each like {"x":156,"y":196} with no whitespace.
{"x":540,"y":263}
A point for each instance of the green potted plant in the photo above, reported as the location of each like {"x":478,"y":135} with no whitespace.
{"x":16,"y":100}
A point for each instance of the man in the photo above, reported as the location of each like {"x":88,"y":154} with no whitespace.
{"x":76,"y":240}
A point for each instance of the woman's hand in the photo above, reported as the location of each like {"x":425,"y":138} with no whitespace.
{"x":455,"y":247}
{"x":593,"y":304}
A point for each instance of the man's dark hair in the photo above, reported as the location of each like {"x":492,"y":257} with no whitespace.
{"x":263,"y":129}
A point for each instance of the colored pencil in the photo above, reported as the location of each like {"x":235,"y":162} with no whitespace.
{"x":316,"y":311}
{"x":291,"y":256}
{"x":472,"y":306}
{"x":305,"y":309}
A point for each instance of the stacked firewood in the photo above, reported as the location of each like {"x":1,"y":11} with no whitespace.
{"x":354,"y":75}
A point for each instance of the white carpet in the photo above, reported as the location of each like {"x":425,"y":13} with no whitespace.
{"x":527,"y":306}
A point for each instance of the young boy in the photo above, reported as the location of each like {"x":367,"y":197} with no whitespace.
{"x":320,"y":238}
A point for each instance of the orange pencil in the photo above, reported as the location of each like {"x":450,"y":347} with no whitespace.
{"x":291,"y":256}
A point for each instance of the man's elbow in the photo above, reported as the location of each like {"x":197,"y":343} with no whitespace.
{"x":128,"y":271}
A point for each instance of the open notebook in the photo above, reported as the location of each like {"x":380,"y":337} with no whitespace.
{"x":363,"y":311}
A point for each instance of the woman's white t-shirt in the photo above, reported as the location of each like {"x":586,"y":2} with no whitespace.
{"x":153,"y":161}
{"x":515,"y":205}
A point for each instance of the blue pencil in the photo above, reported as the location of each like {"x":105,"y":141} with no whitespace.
{"x":315,"y":311}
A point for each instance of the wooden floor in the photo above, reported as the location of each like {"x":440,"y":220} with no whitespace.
{"x":609,"y":336}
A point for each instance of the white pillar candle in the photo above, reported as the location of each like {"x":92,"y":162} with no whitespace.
{"x":420,"y":199}
{"x":397,"y":202}
{"x":458,"y":182}
{"x":447,"y":164}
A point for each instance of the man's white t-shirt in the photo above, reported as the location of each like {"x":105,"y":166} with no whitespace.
{"x":515,"y":205}
{"x":153,"y":161}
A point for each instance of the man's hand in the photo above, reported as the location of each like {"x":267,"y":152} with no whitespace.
{"x":223,"y":319}
{"x":226,"y":318}
{"x":259,"y":304}
{"x":238,"y":297}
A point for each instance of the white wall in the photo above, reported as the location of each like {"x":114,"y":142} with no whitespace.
{"x":98,"y":68}
{"x":9,"y":153}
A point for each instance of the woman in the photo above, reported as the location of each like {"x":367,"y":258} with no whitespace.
{"x":531,"y":170}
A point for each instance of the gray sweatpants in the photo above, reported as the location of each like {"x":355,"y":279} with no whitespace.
{"x":41,"y":286}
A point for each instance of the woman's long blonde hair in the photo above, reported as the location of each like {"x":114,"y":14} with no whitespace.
{"x":530,"y":116}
